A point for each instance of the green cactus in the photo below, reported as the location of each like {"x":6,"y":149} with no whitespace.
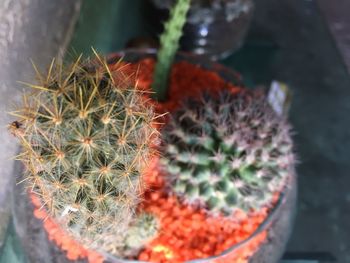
{"x":144,"y":229}
{"x":169,"y":44}
{"x":87,"y":133}
{"x":227,"y":152}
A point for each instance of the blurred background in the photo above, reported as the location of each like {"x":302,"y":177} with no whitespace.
{"x":304,"y":43}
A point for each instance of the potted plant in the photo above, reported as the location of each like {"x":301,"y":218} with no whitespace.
{"x":222,"y":190}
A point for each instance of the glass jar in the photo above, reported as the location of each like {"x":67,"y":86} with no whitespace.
{"x":215,"y":28}
{"x":275,"y":229}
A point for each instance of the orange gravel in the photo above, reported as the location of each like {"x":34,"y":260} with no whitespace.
{"x":186,"y":232}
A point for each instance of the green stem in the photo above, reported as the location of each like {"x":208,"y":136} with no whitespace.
{"x":169,"y":44}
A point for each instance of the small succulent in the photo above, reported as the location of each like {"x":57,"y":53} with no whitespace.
{"x":87,"y":133}
{"x":169,"y":44}
{"x":227,"y":152}
{"x":144,"y":229}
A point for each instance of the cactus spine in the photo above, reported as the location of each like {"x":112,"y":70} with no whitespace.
{"x":169,"y":44}
{"x":227,"y":152}
{"x":86,"y":134}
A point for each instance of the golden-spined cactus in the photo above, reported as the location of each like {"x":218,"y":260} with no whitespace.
{"x":87,"y":133}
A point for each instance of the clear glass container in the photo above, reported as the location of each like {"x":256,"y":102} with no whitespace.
{"x":276,"y":228}
{"x":213,"y":28}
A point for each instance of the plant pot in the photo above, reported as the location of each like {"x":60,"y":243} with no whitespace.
{"x":265,"y":243}
{"x":213,"y":28}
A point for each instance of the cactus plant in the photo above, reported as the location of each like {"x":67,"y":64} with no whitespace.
{"x":169,"y":44}
{"x":87,"y":133}
{"x":144,"y":229}
{"x":227,"y":152}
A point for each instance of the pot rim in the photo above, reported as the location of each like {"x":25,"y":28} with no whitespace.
{"x":263,"y":226}
{"x":199,"y":60}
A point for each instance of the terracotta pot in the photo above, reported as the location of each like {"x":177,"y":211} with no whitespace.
{"x":269,"y":238}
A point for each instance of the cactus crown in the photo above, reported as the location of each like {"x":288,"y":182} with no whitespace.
{"x":87,"y":133}
{"x":228,"y":152}
{"x":169,"y":44}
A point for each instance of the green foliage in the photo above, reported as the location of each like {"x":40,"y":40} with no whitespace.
{"x":86,"y":134}
{"x":227,"y":152}
{"x":169,"y":44}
